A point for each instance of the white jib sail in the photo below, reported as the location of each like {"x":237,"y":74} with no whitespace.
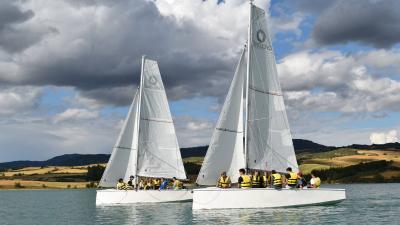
{"x":270,"y":143}
{"x":159,"y":153}
{"x":225,"y":152}
{"x":122,"y":162}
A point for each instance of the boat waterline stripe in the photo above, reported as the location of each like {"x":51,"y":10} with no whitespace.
{"x":228,"y":130}
{"x":265,"y":92}
{"x":157,"y":120}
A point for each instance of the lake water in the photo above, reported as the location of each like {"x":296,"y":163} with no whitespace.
{"x":365,"y":204}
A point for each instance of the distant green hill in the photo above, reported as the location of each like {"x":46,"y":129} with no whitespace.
{"x":300,"y":145}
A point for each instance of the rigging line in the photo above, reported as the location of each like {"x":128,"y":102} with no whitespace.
{"x":228,"y":130}
{"x":282,"y":157}
{"x":157,"y":120}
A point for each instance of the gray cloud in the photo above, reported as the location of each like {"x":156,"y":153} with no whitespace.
{"x":374,"y":22}
{"x":103,"y":53}
{"x":14,"y":36}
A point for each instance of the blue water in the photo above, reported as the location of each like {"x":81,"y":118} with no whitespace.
{"x":365,"y":204}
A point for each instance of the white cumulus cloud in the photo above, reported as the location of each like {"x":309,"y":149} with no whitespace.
{"x":75,"y":114}
{"x":383,"y":138}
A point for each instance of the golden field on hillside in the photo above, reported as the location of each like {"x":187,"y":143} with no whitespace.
{"x":348,"y":157}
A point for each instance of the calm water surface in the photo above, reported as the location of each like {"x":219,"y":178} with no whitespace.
{"x":365,"y":204}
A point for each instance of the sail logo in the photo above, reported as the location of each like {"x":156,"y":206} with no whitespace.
{"x":261,"y":36}
{"x":260,"y":41}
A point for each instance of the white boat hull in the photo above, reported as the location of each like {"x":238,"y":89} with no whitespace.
{"x":217,"y":198}
{"x":113,"y":196}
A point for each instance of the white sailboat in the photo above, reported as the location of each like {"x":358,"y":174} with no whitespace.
{"x":265,"y":130}
{"x":147,"y":146}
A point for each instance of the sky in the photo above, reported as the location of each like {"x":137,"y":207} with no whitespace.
{"x":69,"y":68}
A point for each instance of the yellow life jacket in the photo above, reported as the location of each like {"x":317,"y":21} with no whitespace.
{"x":246,"y":183}
{"x":178,"y":185}
{"x":121,"y":186}
{"x":292,"y":179}
{"x":256,"y":181}
{"x":277,"y":179}
{"x":317,"y":182}
{"x":156,"y":182}
{"x":264,"y":181}
{"x":224,"y":183}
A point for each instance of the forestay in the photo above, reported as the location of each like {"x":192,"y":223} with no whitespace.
{"x":270,"y":143}
{"x":225,"y":152}
{"x":122,"y":162}
{"x":159,"y":154}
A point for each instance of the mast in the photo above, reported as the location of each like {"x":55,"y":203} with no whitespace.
{"x":247,"y":86}
{"x":138,"y":118}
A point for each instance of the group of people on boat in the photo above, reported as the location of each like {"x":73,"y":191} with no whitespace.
{"x":147,"y":183}
{"x":273,"y":179}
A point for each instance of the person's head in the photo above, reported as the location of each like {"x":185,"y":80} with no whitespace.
{"x":289,"y":169}
{"x":242,"y":171}
{"x":256,"y":173}
{"x":174,"y":179}
{"x":299,"y":174}
{"x":120,"y":180}
{"x":131,"y":177}
{"x":312,"y":175}
{"x":223,"y":174}
{"x":273,"y":171}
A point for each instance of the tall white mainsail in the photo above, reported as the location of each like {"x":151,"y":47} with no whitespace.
{"x":268,"y":142}
{"x":159,"y":154}
{"x":147,"y":145}
{"x":225,"y":152}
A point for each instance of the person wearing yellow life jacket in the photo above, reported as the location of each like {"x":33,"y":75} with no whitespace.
{"x":291,"y":178}
{"x":121,"y":185}
{"x":244,"y":180}
{"x":224,"y":181}
{"x":276,"y":180}
{"x":156,"y":183}
{"x":264,"y":180}
{"x":177,"y":185}
{"x":256,"y":181}
{"x":315,"y":181}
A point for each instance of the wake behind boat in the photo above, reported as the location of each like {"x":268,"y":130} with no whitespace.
{"x":146,"y":147}
{"x":267,"y":144}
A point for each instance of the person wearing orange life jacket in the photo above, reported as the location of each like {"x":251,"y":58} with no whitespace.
{"x":291,"y":178}
{"x":256,"y":181}
{"x":276,"y":180}
{"x":224,"y":181}
{"x":244,"y":180}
